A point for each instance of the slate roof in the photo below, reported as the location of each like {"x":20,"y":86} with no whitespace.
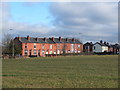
{"x":116,"y":46}
{"x":48,"y":40}
{"x":76,"y":41}
{"x":102,"y":44}
{"x":32,"y":40}
{"x":89,"y":43}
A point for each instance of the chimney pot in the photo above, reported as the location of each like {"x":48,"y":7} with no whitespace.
{"x":60,"y":38}
{"x":104,"y":42}
{"x":28,"y":38}
{"x":36,"y":39}
{"x":73,"y":39}
{"x":52,"y":38}
{"x":45,"y":39}
{"x":101,"y":41}
{"x":66,"y":39}
{"x":19,"y":38}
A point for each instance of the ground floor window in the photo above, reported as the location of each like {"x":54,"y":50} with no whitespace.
{"x":54,"y":52}
{"x":35,"y":52}
{"x":38,"y":52}
{"x":43,"y":52}
{"x":50,"y":52}
{"x":68,"y":51}
{"x":78,"y":51}
{"x":46,"y":52}
{"x":58,"y":51}
{"x":26,"y":52}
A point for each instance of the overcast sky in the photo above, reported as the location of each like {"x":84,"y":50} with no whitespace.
{"x":91,"y":21}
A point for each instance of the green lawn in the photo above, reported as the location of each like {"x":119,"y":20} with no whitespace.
{"x":58,"y":72}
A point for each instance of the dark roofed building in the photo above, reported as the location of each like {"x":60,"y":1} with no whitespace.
{"x":41,"y":46}
{"x":88,"y":47}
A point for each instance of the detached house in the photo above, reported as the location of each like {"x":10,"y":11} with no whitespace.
{"x":31,"y":46}
{"x":88,"y":47}
{"x":100,"y":47}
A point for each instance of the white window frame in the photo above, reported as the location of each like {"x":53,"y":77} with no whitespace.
{"x":50,"y":52}
{"x":43,"y":46}
{"x":51,"y":46}
{"x":35,"y":46}
{"x":78,"y":46}
{"x":35,"y":52}
{"x":26,"y":52}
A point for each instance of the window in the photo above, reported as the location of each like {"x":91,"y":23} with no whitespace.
{"x":58,"y":46}
{"x":43,"y":52}
{"x":78,"y":46}
{"x":68,"y":51}
{"x":50,"y":52}
{"x":38,"y":52}
{"x":34,"y":45}
{"x":50,"y":46}
{"x":26,"y":52}
{"x":86,"y":47}
{"x":46,"y":52}
{"x":58,"y":51}
{"x":42,"y":46}
{"x":78,"y":51}
{"x":30,"y":52}
{"x":25,"y":45}
{"x":94,"y":47}
{"x":35,"y":52}
{"x":54,"y":52}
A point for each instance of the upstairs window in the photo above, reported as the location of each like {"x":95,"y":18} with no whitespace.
{"x":34,"y":45}
{"x":25,"y":45}
{"x":78,"y":46}
{"x":42,"y":46}
{"x":50,"y":46}
{"x":26,"y":52}
{"x":35,"y":52}
{"x":58,"y":46}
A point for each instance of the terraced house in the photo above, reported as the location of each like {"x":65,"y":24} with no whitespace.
{"x":31,"y":46}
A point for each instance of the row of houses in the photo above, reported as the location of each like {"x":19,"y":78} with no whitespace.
{"x":101,"y":47}
{"x":31,"y":46}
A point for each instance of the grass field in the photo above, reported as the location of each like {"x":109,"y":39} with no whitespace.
{"x":61,"y":72}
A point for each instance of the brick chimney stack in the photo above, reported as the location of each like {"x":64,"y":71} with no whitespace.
{"x":36,"y":39}
{"x":60,"y":38}
{"x":28,"y":38}
{"x":104,"y":42}
{"x":45,"y":39}
{"x":67,"y":39}
{"x":101,"y":41}
{"x":73,"y":39}
{"x":52,"y":38}
{"x":19,"y":38}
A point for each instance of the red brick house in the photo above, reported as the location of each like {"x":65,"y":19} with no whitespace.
{"x":32,"y":46}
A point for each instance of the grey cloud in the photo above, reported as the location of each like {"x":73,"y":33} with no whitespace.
{"x":87,"y":21}
{"x":93,"y":20}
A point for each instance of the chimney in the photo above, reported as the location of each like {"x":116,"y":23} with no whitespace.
{"x":36,"y":39}
{"x":52,"y":38}
{"x":73,"y":39}
{"x":107,"y":43}
{"x":91,"y":42}
{"x":60,"y":38}
{"x":28,"y":38}
{"x":67,"y":39}
{"x":104,"y":42}
{"x":101,"y":41}
{"x":45,"y":39}
{"x":19,"y":38}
